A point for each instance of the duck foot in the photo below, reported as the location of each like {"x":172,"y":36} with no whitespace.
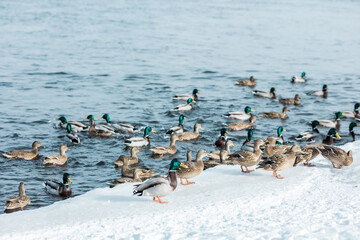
{"x":247,"y":170}
{"x":187,"y":182}
{"x":338,"y":167}
{"x":158,"y":200}
{"x":309,"y":164}
{"x":277,"y":175}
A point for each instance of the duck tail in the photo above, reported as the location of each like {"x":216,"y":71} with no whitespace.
{"x":136,"y":191}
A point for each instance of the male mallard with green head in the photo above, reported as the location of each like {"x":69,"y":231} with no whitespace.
{"x":140,"y":141}
{"x":260,"y":93}
{"x":100,"y":130}
{"x":353,"y":114}
{"x":187,"y":96}
{"x":304,"y":136}
{"x":240,"y":115}
{"x":179,"y":128}
{"x":72,"y":135}
{"x":185,"y":107}
{"x":329,"y":139}
{"x":301,"y":79}
{"x":15,"y":203}
{"x":320,"y":93}
{"x":118,"y":127}
{"x":220,"y":142}
{"x":76,"y":126}
{"x":59,"y":189}
{"x":351,"y":129}
{"x":24,"y":154}
{"x":330,"y":123}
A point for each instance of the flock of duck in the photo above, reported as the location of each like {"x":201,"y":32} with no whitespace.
{"x":269,"y":154}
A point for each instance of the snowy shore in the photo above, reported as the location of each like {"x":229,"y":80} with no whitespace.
{"x":318,"y":203}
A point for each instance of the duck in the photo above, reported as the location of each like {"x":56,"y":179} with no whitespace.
{"x":329,"y":139}
{"x":249,"y":83}
{"x":280,"y":137}
{"x":214,"y":163}
{"x":240,"y":115}
{"x":220,"y":142}
{"x":186,"y":136}
{"x":260,"y":93}
{"x":126,"y":171}
{"x":304,"y":136}
{"x":281,"y":115}
{"x":133,"y":159}
{"x":215,"y":155}
{"x":310,"y":152}
{"x":291,"y":101}
{"x":57,"y":159}
{"x":351,"y":129}
{"x":337,"y":156}
{"x":187,"y":96}
{"x":117,"y":127}
{"x":188,"y":156}
{"x":76,"y":126}
{"x":332,"y":124}
{"x":161,"y":151}
{"x":300,"y":79}
{"x":320,"y":93}
{"x":140,"y":141}
{"x":273,"y":147}
{"x":248,"y":145}
{"x":179,"y":128}
{"x":185,"y":107}
{"x":135,"y":178}
{"x":25,"y":154}
{"x":98,"y":131}
{"x":19,"y":202}
{"x":159,"y":186}
{"x":237,"y":126}
{"x":280,"y":161}
{"x":353,"y":114}
{"x":246,"y":158}
{"x":59,"y":189}
{"x":193,"y":168}
{"x":72,"y":135}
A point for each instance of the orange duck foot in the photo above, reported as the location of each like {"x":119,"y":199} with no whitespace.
{"x":338,"y":167}
{"x":309,"y":164}
{"x":277,"y":175}
{"x":158,"y":200}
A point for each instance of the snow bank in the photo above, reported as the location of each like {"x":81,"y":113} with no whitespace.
{"x":319,"y":202}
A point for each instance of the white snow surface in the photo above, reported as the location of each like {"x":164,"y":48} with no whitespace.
{"x":310,"y":203}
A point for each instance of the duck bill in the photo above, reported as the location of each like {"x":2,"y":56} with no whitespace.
{"x":57,"y":118}
{"x":85,"y":119}
{"x":284,"y":130}
{"x":183,"y":165}
{"x":101,"y":118}
{"x":337,"y":136}
{"x":69,"y":180}
{"x":226,"y":132}
{"x":194,"y":101}
{"x":251,"y":110}
{"x":153,"y":131}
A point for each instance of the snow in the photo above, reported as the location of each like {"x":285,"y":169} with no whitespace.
{"x":317,"y":203}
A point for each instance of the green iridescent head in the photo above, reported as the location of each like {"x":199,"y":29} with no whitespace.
{"x":175,"y":164}
{"x":181,"y":119}
{"x":195,"y":91}
{"x":68,"y":128}
{"x":352,"y":125}
{"x":280,"y":130}
{"x":272,"y":90}
{"x":147,"y":130}
{"x":338,"y":115}
{"x":106,"y":117}
{"x":248,"y":109}
{"x":325,"y":87}
{"x":190,"y":100}
{"x":356,"y":106}
{"x":66,"y":178}
{"x":250,"y":134}
{"x":333,"y":133}
{"x":62,"y":119}
{"x":89,"y":117}
{"x":223,"y":131}
{"x":315,"y":123}
{"x":303,"y":74}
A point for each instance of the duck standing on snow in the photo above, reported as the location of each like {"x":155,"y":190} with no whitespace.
{"x":72,"y":135}
{"x":337,"y":156}
{"x":310,"y":152}
{"x":238,"y":126}
{"x":76,"y":126}
{"x":133,"y":159}
{"x":57,"y":159}
{"x":351,"y":129}
{"x":220,"y":142}
{"x":329,"y":139}
{"x":249,"y":83}
{"x":353,"y":114}
{"x":297,"y":79}
{"x":279,"y":162}
{"x":304,"y":136}
{"x":240,"y":115}
{"x":186,"y":136}
{"x":15,"y":203}
{"x":59,"y":189}
{"x":118,"y":127}
{"x":179,"y":128}
{"x":260,"y":93}
{"x":273,"y":147}
{"x":332,"y":124}
{"x":160,"y":186}
{"x":140,"y":141}
{"x":100,"y":130}
{"x":185,"y":107}
{"x":161,"y":151}
{"x":216,"y":154}
{"x":193,"y":168}
{"x":320,"y":93}
{"x":291,"y":101}
{"x":187,"y":96}
{"x":24,"y":154}
{"x":282,"y":115}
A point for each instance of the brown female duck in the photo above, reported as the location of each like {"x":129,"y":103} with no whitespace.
{"x":161,"y":151}
{"x":133,"y":159}
{"x":291,"y":101}
{"x":186,"y":136}
{"x":249,"y":83}
{"x":57,"y":159}
{"x":282,"y":115}
{"x":24,"y":154}
{"x":337,"y":156}
{"x":237,"y":126}
{"x":15,"y":203}
{"x":194,"y":168}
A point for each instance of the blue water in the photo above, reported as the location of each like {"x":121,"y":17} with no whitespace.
{"x":127,"y":58}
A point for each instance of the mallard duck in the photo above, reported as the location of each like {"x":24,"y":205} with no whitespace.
{"x":76,"y":126}
{"x":118,"y":127}
{"x":161,"y":151}
{"x":126,"y":171}
{"x":187,"y":96}
{"x":24,"y":154}
{"x":57,"y":159}
{"x":351,"y":129}
{"x":304,"y":136}
{"x":273,"y":147}
{"x":310,"y":152}
{"x":332,"y":124}
{"x":237,"y":126}
{"x":301,"y":79}
{"x":98,"y":131}
{"x":246,"y":158}
{"x":72,"y":135}
{"x":353,"y":114}
{"x":133,"y":159}
{"x":248,"y":145}
{"x":159,"y":186}
{"x":193,"y":168}
{"x":214,"y":163}
{"x":185,"y":107}
{"x":248,"y":83}
{"x":280,"y":161}
{"x":220,"y":142}
{"x":135,"y":178}
{"x":179,"y":128}
{"x":140,"y":141}
{"x":320,"y":93}
{"x":186,"y":136}
{"x":240,"y":115}
{"x":282,"y":115}
{"x":280,"y":137}
{"x":59,"y":189}
{"x":216,"y":154}
{"x":329,"y":139}
{"x":271,"y":94}
{"x":337,"y":156}
{"x":188,"y":156}
{"x":291,"y":101}
{"x":15,"y":203}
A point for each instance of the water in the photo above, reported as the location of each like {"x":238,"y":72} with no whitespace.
{"x":128,"y":58}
